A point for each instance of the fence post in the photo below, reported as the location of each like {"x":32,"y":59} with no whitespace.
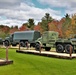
{"x":40,"y":48}
{"x":27,"y":45}
{"x":6,"y":53}
{"x":19,"y":45}
{"x":70,"y":52}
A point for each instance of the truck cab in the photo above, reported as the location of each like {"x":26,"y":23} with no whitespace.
{"x":9,"y":40}
{"x":47,"y":40}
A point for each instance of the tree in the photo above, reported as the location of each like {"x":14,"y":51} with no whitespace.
{"x":3,"y":34}
{"x":67,"y":16}
{"x":53,"y":26}
{"x":23,"y":28}
{"x":66,"y":25}
{"x":38,"y":27}
{"x":73,"y":23}
{"x":11,"y":27}
{"x":25,"y":24}
{"x":31,"y":24}
{"x":45,"y":20}
{"x":16,"y":27}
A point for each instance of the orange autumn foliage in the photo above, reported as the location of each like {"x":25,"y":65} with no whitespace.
{"x":23,"y":28}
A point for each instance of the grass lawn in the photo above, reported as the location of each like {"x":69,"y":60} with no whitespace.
{"x":26,"y":64}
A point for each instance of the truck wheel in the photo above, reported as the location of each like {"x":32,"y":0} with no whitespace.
{"x":22,"y":44}
{"x":59,"y":48}
{"x":6,"y":43}
{"x":47,"y":48}
{"x":67,"y":48}
{"x":37,"y":47}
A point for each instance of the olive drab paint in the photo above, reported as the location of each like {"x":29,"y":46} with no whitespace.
{"x":22,"y":37}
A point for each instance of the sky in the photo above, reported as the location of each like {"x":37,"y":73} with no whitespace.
{"x":17,"y":12}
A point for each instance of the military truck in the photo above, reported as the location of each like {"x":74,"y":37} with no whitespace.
{"x":47,"y":40}
{"x":50,"y":39}
{"x":63,"y":45}
{"x":22,"y":37}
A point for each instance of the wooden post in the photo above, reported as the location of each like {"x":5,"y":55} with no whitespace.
{"x":70,"y":52}
{"x":6,"y":53}
{"x":40,"y":48}
{"x":27,"y":45}
{"x":19,"y":45}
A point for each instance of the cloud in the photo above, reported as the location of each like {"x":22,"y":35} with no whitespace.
{"x":8,"y":1}
{"x":10,"y":22}
{"x":8,"y":4}
{"x":20,"y":13}
{"x":59,"y":3}
{"x":71,"y":11}
{"x":17,"y":12}
{"x":64,"y":6}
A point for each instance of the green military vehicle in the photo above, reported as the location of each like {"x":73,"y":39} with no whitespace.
{"x":22,"y":37}
{"x":47,"y":40}
{"x":63,"y":45}
{"x":50,"y":39}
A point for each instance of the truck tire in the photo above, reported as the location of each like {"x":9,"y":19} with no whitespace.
{"x":67,"y":48}
{"x":59,"y":48}
{"x":6,"y":43}
{"x":47,"y":48}
{"x":37,"y":47}
{"x":22,"y":44}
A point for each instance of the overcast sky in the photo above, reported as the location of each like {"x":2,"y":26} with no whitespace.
{"x":17,"y":12}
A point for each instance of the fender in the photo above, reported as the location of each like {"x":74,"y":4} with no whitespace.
{"x":39,"y":43}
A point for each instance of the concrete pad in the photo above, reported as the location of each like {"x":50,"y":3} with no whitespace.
{"x":48,"y":54}
{"x":4,"y":62}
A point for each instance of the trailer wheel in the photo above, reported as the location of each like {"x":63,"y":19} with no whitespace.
{"x":37,"y":47}
{"x":47,"y":48}
{"x":59,"y":48}
{"x":67,"y":48}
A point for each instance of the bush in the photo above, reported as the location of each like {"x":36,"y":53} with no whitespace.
{"x":3,"y":35}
